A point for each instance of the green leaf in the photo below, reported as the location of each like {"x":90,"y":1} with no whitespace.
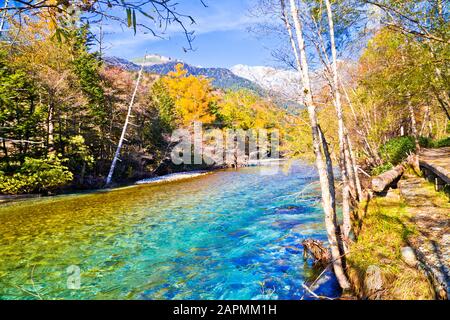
{"x":129,"y":18}
{"x":58,"y":35}
{"x":134,"y":21}
{"x":147,"y":15}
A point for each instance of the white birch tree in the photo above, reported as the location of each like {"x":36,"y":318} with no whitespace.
{"x":124,"y":130}
{"x":326,"y":184}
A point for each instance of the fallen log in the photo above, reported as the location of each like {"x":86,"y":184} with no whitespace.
{"x":413,"y":162}
{"x":381,"y":182}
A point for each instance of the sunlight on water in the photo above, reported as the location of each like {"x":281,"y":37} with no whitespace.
{"x":228,"y":235}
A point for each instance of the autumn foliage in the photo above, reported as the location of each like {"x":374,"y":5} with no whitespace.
{"x":193,"y":97}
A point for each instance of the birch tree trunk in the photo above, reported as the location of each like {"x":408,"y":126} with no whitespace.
{"x":343,"y":151}
{"x":285,"y":17}
{"x":329,"y":166}
{"x":124,"y":130}
{"x":50,"y":126}
{"x":412,"y":117}
{"x":426,"y":120}
{"x":355,"y":168}
{"x":328,"y":197}
{"x":373,"y":155}
{"x":444,"y":101}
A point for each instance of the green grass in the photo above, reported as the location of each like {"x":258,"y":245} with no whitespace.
{"x":385,"y":231}
{"x":441,"y":198}
{"x":382,"y":168}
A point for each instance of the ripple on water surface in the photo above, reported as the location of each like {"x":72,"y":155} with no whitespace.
{"x":228,"y":235}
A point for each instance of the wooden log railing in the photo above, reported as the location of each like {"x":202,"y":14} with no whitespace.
{"x":439,"y":172}
{"x":435,"y":165}
{"x":383,"y":181}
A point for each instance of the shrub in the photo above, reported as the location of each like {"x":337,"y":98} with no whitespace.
{"x":382,"y":169}
{"x":78,"y":154}
{"x":397,"y":149}
{"x":430,"y":143}
{"x":443,"y":143}
{"x":36,"y":175}
{"x":426,"y":142}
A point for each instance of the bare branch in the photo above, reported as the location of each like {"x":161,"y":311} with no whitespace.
{"x":157,"y":15}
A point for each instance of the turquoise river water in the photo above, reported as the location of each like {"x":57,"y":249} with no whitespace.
{"x":228,"y":235}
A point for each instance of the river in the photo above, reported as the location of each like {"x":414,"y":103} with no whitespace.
{"x":232,"y":234}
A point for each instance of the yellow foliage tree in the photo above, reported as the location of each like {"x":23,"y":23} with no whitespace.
{"x":193,"y":97}
{"x":243,"y":109}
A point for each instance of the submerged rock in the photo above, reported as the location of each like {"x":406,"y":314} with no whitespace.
{"x":292,"y":209}
{"x":286,"y":225}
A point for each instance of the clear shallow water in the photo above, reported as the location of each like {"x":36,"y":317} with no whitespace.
{"x":228,"y":235}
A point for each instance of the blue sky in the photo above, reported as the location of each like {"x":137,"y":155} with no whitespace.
{"x":222,"y":38}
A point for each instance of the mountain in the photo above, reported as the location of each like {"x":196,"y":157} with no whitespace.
{"x":121,"y":63}
{"x":221,"y":77}
{"x":285,"y":85}
{"x":282,"y":83}
{"x":280,"y":86}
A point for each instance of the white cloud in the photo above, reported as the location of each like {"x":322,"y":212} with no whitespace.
{"x":219,"y":16}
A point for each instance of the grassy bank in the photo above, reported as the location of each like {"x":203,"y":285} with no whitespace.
{"x":385,"y":230}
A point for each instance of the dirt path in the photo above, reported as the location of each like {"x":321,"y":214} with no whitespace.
{"x":430,"y":212}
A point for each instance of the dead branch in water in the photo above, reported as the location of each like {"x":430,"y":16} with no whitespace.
{"x":317,"y":250}
{"x":314,"y":294}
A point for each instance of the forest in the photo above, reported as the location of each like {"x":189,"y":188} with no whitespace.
{"x":62,"y":111}
{"x":375,"y":91}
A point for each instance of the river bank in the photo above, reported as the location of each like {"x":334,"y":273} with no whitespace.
{"x":402,"y":248}
{"x":173,"y":177}
{"x":155,"y":179}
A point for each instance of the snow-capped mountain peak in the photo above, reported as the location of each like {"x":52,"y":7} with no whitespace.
{"x":279,"y":81}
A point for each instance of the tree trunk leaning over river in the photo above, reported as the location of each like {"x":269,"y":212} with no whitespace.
{"x":124,"y":130}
